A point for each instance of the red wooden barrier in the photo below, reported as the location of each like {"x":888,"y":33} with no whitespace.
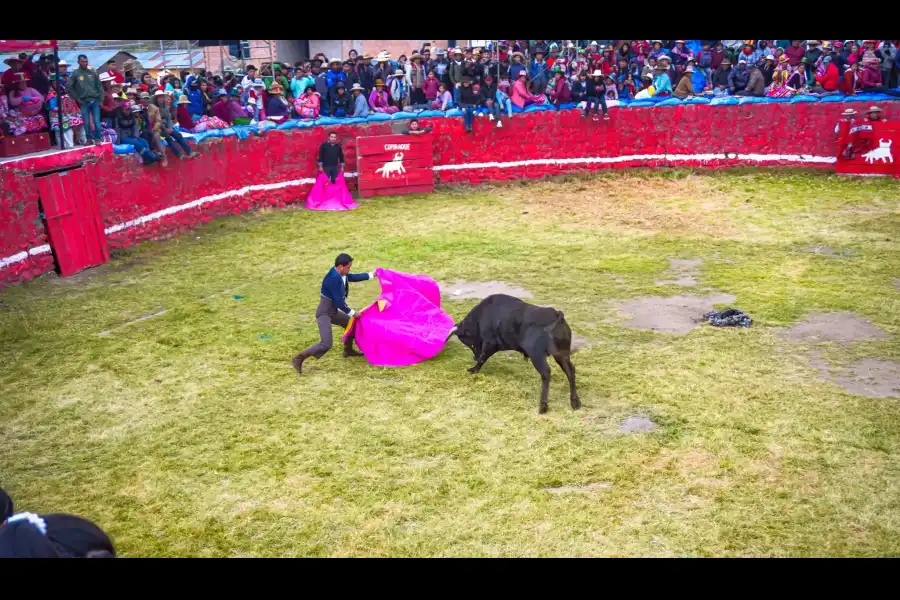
{"x":879,"y":158}
{"x":395,"y":164}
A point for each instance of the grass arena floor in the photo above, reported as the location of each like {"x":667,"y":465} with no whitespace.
{"x":189,"y":434}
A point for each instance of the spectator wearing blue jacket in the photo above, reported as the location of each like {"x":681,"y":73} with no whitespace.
{"x":333,"y":309}
{"x":195,"y":98}
{"x":539,"y":73}
{"x":334,"y":75}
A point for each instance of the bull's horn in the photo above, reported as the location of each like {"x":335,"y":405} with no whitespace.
{"x":452,"y":331}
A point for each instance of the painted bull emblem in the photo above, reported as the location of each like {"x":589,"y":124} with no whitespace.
{"x":393,"y":167}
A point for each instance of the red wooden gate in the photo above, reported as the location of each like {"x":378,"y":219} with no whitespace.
{"x":394,"y":164}
{"x":73,"y":219}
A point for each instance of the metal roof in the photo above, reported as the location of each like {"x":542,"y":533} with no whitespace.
{"x":171,"y":60}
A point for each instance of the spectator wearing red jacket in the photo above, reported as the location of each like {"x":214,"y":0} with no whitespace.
{"x":826,"y":83}
{"x":850,"y":80}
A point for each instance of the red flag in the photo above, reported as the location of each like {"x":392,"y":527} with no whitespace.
{"x":21,"y":45}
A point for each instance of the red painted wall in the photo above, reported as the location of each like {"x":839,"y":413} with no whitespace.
{"x":126,"y":190}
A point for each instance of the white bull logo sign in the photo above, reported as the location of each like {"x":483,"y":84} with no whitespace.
{"x":393,"y":167}
{"x":882,"y":153}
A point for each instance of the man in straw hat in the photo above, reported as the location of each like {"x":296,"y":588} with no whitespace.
{"x":85,"y":87}
{"x":719,"y":80}
{"x":873,"y":115}
{"x":456,"y":71}
{"x":417,"y":77}
{"x":15,"y":64}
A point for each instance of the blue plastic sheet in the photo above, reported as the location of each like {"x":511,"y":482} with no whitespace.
{"x":455,"y":112}
{"x":754,"y":100}
{"x":724,"y":101}
{"x":804,"y":98}
{"x":698,"y":100}
{"x":398,"y":116}
{"x":123,"y":149}
{"x":567,"y":106}
{"x":831,"y":99}
{"x":538,"y":108}
{"x":432,"y":113}
{"x":379,"y":117}
{"x":640,"y":103}
{"x":670,"y":102}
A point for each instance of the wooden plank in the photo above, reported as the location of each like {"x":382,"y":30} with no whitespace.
{"x":416,"y":177}
{"x":368,"y":167}
{"x":416,"y":189}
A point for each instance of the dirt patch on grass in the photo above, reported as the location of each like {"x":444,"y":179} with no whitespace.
{"x":826,"y":250}
{"x":684,"y":271}
{"x":866,"y":377}
{"x":580,"y":489}
{"x":468,"y":290}
{"x":672,"y":314}
{"x":833,"y":327}
{"x":579,"y":342}
{"x":641,"y":423}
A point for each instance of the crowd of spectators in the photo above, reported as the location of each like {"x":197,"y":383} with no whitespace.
{"x":105,"y":104}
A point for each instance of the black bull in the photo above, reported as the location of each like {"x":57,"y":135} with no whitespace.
{"x":501,"y":322}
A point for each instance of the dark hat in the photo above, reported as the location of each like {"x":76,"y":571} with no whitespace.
{"x":28,"y":535}
{"x":466,"y":79}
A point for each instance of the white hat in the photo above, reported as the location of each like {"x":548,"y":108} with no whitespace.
{"x":383,"y":57}
{"x":570,"y":45}
{"x":251,"y":101}
{"x":63,"y":63}
{"x":597,"y":73}
{"x":159,"y":93}
{"x":399,"y":72}
{"x":770,"y":57}
{"x":689,"y":69}
{"x":105,"y":77}
{"x":742,"y":61}
{"x":593,"y":44}
{"x":356,"y":86}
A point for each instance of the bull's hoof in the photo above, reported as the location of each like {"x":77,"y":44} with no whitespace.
{"x":576,"y":403}
{"x":472,"y":370}
{"x":542,"y":409}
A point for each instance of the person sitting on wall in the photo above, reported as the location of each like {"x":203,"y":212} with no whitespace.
{"x":277,"y":109}
{"x":469,"y":100}
{"x":237,"y":112}
{"x":342,"y":103}
{"x":128,"y":131}
{"x":559,"y":92}
{"x":827,"y":78}
{"x":184,"y":114}
{"x":521,"y":97}
{"x":167,"y":130}
{"x":308,"y":103}
{"x":685,"y":88}
{"x":755,"y":84}
{"x":416,"y":129}
{"x":870,"y":78}
{"x":662,"y":83}
{"x":739,"y":77}
{"x":444,"y":99}
{"x":27,"y":104}
{"x":153,"y":125}
{"x":220,"y":109}
{"x":850,"y":82}
{"x":379,"y":99}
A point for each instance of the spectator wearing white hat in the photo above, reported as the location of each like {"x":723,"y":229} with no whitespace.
{"x":738,"y":78}
{"x":767,"y":69}
{"x":595,"y":95}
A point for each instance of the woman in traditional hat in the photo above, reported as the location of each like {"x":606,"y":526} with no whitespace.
{"x":379,"y":99}
{"x":308,"y":105}
{"x":559,"y":90}
{"x":277,"y":108}
{"x":521,"y":97}
{"x":779,"y":87}
{"x":382,"y":66}
{"x":360,"y":103}
{"x":27,"y":103}
{"x":416,"y":76}
{"x":184,"y":114}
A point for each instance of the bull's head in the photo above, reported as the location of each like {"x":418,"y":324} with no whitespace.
{"x":464,"y":335}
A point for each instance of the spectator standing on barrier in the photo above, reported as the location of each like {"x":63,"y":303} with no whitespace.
{"x":468,"y":101}
{"x":595,"y":95}
{"x":812,"y":56}
{"x":85,"y":88}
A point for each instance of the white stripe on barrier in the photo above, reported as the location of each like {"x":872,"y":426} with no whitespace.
{"x":171,"y":210}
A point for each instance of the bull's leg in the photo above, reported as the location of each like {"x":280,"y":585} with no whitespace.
{"x":565,"y":363}
{"x":540,"y":363}
{"x":487,"y":351}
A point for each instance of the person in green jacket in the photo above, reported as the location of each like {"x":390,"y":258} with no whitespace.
{"x":84,"y":86}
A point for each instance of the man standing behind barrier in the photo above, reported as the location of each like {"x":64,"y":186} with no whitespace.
{"x":331,"y":157}
{"x":84,"y":86}
{"x":333,"y":309}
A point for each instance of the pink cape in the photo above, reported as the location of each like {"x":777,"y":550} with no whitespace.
{"x":330,"y":196}
{"x":406,"y":325}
